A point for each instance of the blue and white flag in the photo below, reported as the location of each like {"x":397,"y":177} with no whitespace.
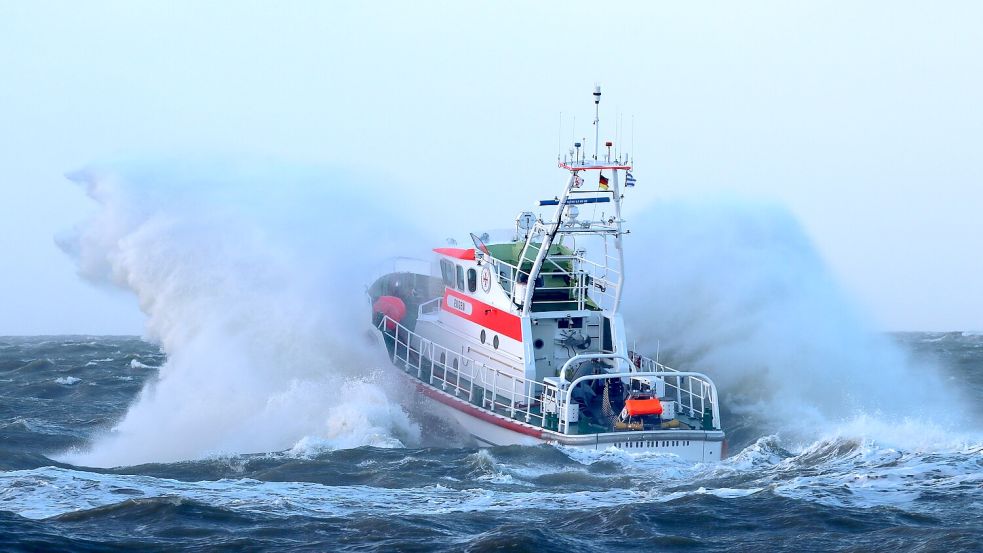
{"x":629,"y":179}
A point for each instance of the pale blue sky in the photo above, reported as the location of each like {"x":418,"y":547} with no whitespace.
{"x":864,"y":118}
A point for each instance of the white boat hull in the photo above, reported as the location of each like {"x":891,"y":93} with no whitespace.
{"x":492,"y":429}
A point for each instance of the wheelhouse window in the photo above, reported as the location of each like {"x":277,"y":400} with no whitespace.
{"x":460,"y":278}
{"x":447,"y":272}
{"x":472,"y":280}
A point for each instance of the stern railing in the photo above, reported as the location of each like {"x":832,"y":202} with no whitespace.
{"x":694,"y":392}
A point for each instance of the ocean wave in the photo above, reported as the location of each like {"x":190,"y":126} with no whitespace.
{"x":838,"y":473}
{"x":53,"y":492}
{"x":33,"y":365}
{"x":256,"y":313}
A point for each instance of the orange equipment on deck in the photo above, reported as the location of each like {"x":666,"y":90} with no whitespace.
{"x":638,"y":406}
{"x":392,"y":307}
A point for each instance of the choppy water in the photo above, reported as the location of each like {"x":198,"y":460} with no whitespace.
{"x":851,"y":491}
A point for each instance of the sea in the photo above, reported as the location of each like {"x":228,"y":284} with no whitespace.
{"x":845,"y":493}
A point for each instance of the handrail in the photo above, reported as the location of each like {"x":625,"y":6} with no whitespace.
{"x":647,"y":363}
{"x":643,"y":362}
{"x":586,"y":356}
{"x":568,"y":392}
{"x":502,"y":392}
{"x":605,"y":280}
{"x":425,"y":307}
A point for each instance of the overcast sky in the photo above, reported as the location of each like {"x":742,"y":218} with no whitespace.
{"x":863,"y":118}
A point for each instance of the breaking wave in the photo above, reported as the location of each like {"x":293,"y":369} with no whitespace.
{"x":252,"y":280}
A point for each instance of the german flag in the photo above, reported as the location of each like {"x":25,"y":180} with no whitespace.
{"x":602,"y":182}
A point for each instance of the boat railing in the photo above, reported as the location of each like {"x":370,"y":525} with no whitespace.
{"x":462,"y":376}
{"x":694,"y":392}
{"x":694,"y":402}
{"x":585,"y":280}
{"x":518,"y":398}
{"x":430,"y":307}
{"x":710,"y":398}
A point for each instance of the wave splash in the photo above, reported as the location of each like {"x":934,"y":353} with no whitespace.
{"x":250,"y":278}
{"x":250,"y":281}
{"x":735,"y":288}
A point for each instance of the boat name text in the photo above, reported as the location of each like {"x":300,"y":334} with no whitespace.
{"x":458,"y":304}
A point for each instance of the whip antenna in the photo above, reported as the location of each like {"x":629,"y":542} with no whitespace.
{"x":597,"y":128}
{"x":559,"y":132}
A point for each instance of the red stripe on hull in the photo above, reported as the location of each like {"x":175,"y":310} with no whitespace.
{"x":477,"y":413}
{"x":490,"y":317}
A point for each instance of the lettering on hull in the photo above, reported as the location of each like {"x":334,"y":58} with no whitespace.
{"x":457,"y":304}
{"x":490,"y":317}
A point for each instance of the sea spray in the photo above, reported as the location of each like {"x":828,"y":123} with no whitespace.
{"x":736,"y":289}
{"x":252,"y":279}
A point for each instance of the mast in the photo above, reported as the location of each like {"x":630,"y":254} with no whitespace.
{"x":609,"y":283}
{"x":617,"y":239}
{"x":597,"y":126}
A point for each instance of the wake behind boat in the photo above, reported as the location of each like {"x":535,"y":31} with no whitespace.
{"x":521,"y":340}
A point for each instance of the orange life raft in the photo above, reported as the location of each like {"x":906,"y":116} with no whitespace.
{"x":638,"y":406}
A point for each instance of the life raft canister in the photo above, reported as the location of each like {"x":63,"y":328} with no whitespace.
{"x":635,"y":407}
{"x":391,"y":307}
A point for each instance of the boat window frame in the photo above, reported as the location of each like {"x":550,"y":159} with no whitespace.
{"x":460,"y":278}
{"x":447,"y":272}
{"x":472,"y":280}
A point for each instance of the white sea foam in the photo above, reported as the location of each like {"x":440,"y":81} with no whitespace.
{"x":490,"y":470}
{"x":50,"y":491}
{"x":360,"y":415}
{"x":134,"y":364}
{"x":252,"y":282}
{"x":68,"y":380}
{"x":833,"y":472}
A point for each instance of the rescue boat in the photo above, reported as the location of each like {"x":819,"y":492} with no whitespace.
{"x":520,"y":338}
